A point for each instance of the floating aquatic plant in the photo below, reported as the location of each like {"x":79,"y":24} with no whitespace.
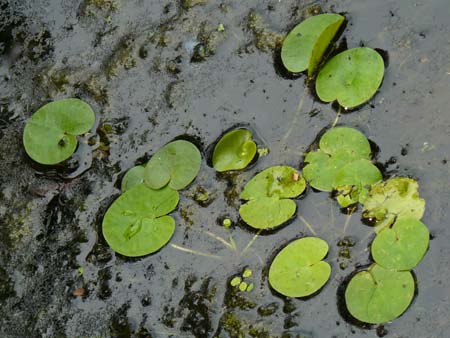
{"x":342,"y":163}
{"x":299,"y":270}
{"x":50,"y":135}
{"x":269,"y":196}
{"x":136,"y":224}
{"x":176,"y":164}
{"x":351,"y":77}
{"x":133,"y":176}
{"x":402,"y":246}
{"x":378,"y":295}
{"x":234,"y":151}
{"x":395,"y":197}
{"x":304,"y":46}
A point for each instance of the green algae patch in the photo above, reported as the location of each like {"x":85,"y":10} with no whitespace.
{"x":234,"y":151}
{"x":379,"y":295}
{"x":136,"y":224}
{"x":50,"y":135}
{"x":351,"y":77}
{"x":304,"y":46}
{"x":176,"y":165}
{"x":299,"y":270}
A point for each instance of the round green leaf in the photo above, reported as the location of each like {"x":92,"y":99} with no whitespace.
{"x":340,"y":139}
{"x":133,"y":176}
{"x":50,"y":134}
{"x":298,"y":270}
{"x":351,"y":181}
{"x":277,"y":181}
{"x":234,"y":151}
{"x":267,"y":212}
{"x":403,"y":246}
{"x":176,"y":164}
{"x":322,"y":168}
{"x":134,"y":224}
{"x":379,"y":295}
{"x":397,"y":197}
{"x":351,"y":77}
{"x":305,"y":45}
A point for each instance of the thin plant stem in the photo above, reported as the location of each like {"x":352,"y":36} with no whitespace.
{"x":338,"y":115}
{"x":347,"y":220}
{"x":251,"y":242}
{"x":307,"y":225}
{"x":293,"y":122}
{"x":194,"y":252}
{"x":220,"y":239}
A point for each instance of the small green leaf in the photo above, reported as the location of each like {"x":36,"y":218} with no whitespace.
{"x":379,"y":295}
{"x":403,"y":246}
{"x":227,"y":223}
{"x":352,"y":180}
{"x":339,"y":147}
{"x":133,"y":176}
{"x":268,"y":194}
{"x":352,"y":141}
{"x":234,"y":151}
{"x":235,"y":281}
{"x":304,"y":46}
{"x":243,"y":286}
{"x":267,"y":212}
{"x":276,"y":181}
{"x":50,"y":134}
{"x":176,"y":164}
{"x":250,"y":287}
{"x":298,"y":270}
{"x":396,"y":197}
{"x":351,"y":77}
{"x":135,"y":225}
{"x":247,"y":273}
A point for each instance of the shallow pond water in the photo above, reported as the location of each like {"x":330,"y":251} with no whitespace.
{"x":154,"y":70}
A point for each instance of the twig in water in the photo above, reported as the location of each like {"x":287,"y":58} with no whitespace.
{"x":194,"y":252}
{"x":307,"y":225}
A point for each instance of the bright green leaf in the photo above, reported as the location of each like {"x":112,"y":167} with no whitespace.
{"x":50,"y":134}
{"x":234,"y":151}
{"x":396,"y":197}
{"x":403,"y":246}
{"x":352,"y":180}
{"x":379,"y":295}
{"x":133,"y":176}
{"x":352,"y":141}
{"x":304,"y":46}
{"x":268,"y":194}
{"x":339,"y":147}
{"x":267,"y":212}
{"x":276,"y":181}
{"x":135,"y":225}
{"x":351,"y":77}
{"x":298,"y":270}
{"x":176,"y":164}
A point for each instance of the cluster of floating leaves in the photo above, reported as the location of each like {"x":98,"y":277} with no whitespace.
{"x":138,"y":222}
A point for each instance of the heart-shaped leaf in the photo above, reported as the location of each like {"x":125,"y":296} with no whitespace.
{"x":403,"y":246}
{"x":299,"y":270}
{"x":353,"y":179}
{"x":379,"y":295}
{"x":50,"y":134}
{"x":135,"y":225}
{"x":234,"y":151}
{"x":339,"y":147}
{"x":176,"y":164}
{"x":351,"y":77}
{"x":304,"y":46}
{"x":133,"y":176}
{"x":268,"y":194}
{"x":396,"y":197}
